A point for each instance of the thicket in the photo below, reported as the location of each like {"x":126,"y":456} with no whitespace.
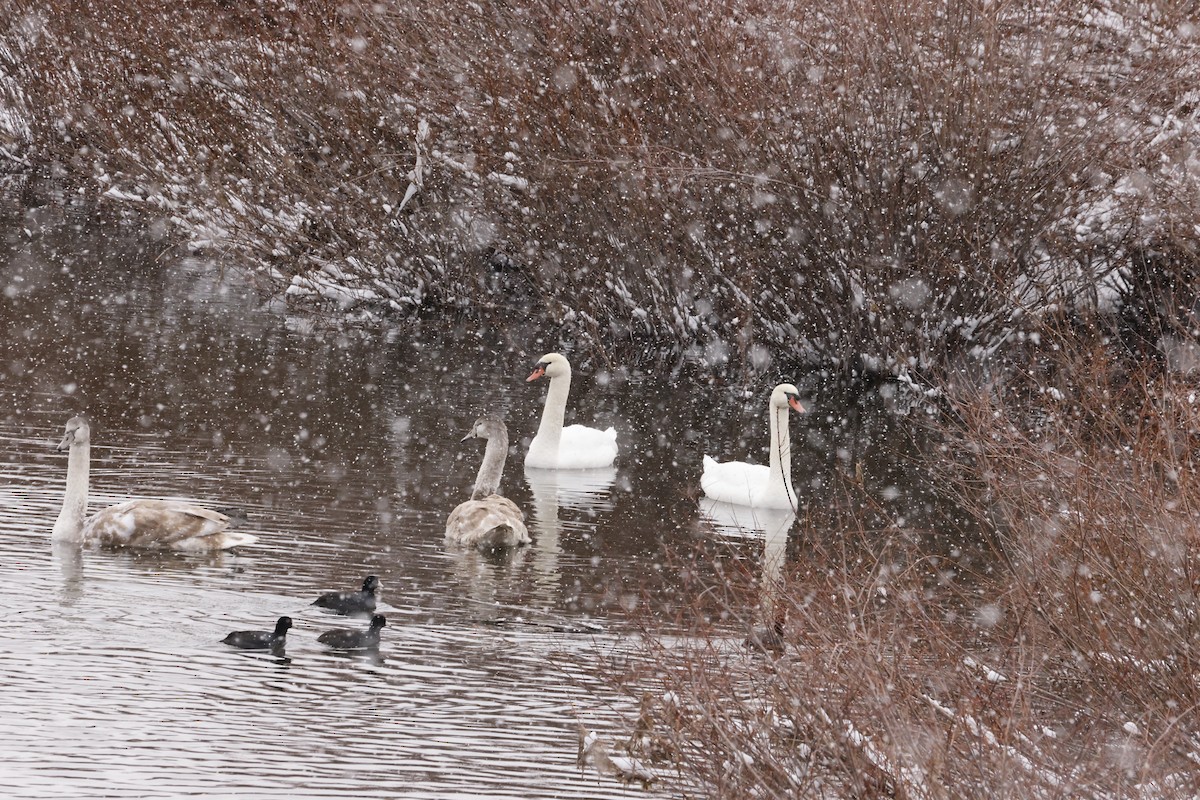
{"x":1043,"y":644}
{"x":867,"y":184}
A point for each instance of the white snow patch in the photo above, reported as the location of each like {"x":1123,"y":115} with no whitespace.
{"x":115,"y":193}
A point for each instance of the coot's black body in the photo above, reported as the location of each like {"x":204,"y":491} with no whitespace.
{"x":361,"y":602}
{"x":260,"y":640}
{"x":346,"y":639}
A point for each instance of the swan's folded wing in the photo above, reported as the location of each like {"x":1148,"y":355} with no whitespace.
{"x":582,"y":447}
{"x":733,"y":481}
{"x":165,"y":524}
{"x":503,"y":505}
{"x":481,"y":521}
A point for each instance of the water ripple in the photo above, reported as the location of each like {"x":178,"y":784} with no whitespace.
{"x":124,"y":689}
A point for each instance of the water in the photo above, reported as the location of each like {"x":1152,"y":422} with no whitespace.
{"x":343,"y":447}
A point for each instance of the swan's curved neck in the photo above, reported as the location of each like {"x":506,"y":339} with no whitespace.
{"x":70,"y":520}
{"x":550,"y":431}
{"x":488,"y":481}
{"x":780,"y":478}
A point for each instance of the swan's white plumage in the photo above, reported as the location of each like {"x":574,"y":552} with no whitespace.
{"x":488,"y":520}
{"x":579,"y":447}
{"x":754,"y":484}
{"x":573,"y":446}
{"x":147,"y":524}
{"x":742,"y":484}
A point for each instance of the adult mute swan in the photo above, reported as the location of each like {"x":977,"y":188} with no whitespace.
{"x":488,"y":520}
{"x":753,"y":484}
{"x":151,"y":524}
{"x":572,"y":447}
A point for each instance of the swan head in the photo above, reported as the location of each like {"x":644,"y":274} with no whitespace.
{"x":487,"y":428}
{"x":552,"y":365}
{"x":282,"y":626}
{"x":78,"y":433}
{"x":371,"y":585}
{"x":378,"y":621}
{"x":785,"y":395}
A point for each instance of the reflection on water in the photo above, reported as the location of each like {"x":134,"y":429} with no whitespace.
{"x":744,"y":521}
{"x":771,"y":524}
{"x":566,"y":499}
{"x":342,"y":447}
{"x":587,"y":490}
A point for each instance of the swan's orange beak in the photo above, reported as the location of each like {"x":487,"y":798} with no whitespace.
{"x":538,"y":372}
{"x":795,"y":403}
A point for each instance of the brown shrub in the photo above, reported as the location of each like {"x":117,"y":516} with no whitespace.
{"x":875,"y":183}
{"x":1050,"y":651}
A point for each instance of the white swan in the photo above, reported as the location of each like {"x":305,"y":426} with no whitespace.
{"x":154,"y":524}
{"x":488,"y":520}
{"x":753,"y":484}
{"x":573,"y":447}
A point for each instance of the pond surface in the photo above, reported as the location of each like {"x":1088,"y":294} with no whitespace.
{"x":342,"y":445}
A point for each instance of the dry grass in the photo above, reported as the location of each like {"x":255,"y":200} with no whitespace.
{"x":1053,"y":658}
{"x":901,"y":181}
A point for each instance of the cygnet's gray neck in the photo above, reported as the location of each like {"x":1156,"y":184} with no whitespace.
{"x":69,"y":525}
{"x":492,"y":468}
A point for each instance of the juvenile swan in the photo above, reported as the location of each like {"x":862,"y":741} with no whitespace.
{"x":488,"y":521}
{"x":573,"y":447}
{"x":154,"y":524}
{"x":753,"y":484}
